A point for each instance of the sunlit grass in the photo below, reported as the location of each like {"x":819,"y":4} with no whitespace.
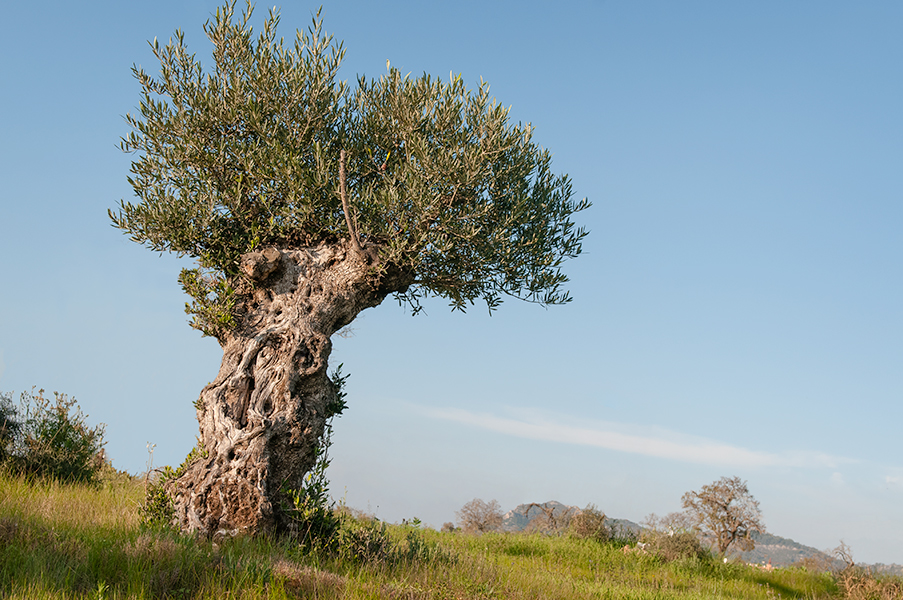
{"x":112,"y":502}
{"x":75,"y":541}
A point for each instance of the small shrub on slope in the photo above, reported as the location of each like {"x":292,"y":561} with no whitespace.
{"x":157,"y":510}
{"x":590,"y":524}
{"x":672,"y":538}
{"x":50,"y":438}
{"x":9,"y":426}
{"x":858,"y":583}
{"x":674,"y":546}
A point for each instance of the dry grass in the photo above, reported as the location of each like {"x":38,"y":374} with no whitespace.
{"x":859,"y":584}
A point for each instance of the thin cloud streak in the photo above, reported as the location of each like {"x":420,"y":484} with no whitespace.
{"x":659,"y":444}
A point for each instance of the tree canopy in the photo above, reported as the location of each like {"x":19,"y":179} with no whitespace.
{"x":248,"y":153}
{"x":725,"y":511}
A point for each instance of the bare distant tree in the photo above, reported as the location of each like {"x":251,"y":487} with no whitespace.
{"x":480,"y":516}
{"x":844,"y":554}
{"x":590,"y":523}
{"x":549,"y":521}
{"x":675,"y":522}
{"x":726,"y":511}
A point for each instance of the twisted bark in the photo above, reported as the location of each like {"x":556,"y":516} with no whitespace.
{"x":263,"y":416}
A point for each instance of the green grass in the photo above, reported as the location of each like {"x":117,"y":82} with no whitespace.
{"x":76,"y":541}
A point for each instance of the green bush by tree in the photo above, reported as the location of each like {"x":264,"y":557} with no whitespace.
{"x":157,"y":510}
{"x":314,"y":519}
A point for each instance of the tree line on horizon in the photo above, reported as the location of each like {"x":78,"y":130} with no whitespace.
{"x":722,"y":515}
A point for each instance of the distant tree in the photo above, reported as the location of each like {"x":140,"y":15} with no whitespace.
{"x":726,"y":512}
{"x":674,"y":522}
{"x":479,"y":516}
{"x":673,"y":546}
{"x":589,"y":523}
{"x":551,"y":517}
{"x":672,"y":537}
{"x":305,"y":201}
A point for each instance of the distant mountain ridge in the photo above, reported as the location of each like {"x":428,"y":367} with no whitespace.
{"x":781,"y":551}
{"x":524,"y":516}
{"x":769,"y":549}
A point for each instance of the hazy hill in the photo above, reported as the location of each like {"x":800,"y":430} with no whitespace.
{"x":533,"y":516}
{"x":525,"y":516}
{"x":784,"y":551}
{"x":781,"y":551}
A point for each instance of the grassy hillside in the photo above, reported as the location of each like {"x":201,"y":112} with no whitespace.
{"x":78,"y":541}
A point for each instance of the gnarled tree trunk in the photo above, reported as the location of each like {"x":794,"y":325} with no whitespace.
{"x":262,"y":418}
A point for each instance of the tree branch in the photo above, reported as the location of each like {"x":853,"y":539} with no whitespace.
{"x":352,"y":230}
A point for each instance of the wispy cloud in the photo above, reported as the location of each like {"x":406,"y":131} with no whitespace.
{"x":648,"y":441}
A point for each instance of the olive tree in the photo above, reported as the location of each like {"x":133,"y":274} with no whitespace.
{"x":305,"y":200}
{"x":726,"y":512}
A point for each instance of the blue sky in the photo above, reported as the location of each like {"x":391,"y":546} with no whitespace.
{"x":737,"y":308}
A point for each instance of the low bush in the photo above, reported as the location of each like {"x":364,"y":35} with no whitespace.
{"x":158,"y":510}
{"x":361,"y":540}
{"x":9,"y":426}
{"x":313,"y":518}
{"x":673,"y":545}
{"x":49,"y":438}
{"x":590,"y":524}
{"x":858,"y":583}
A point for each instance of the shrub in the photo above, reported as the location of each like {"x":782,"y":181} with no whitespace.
{"x":860,"y":584}
{"x":590,"y":524}
{"x":673,"y":545}
{"x":51,"y":439}
{"x":158,"y":510}
{"x":9,"y":426}
{"x":312,"y":514}
{"x":480,"y":516}
{"x":313,"y":518}
{"x":362,"y":540}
